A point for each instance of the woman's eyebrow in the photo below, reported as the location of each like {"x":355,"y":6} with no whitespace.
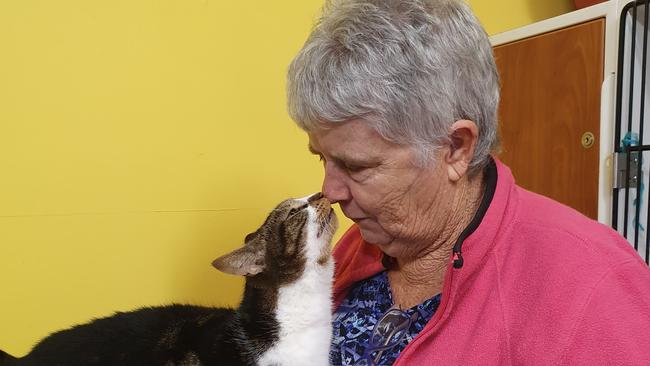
{"x":349,"y":159}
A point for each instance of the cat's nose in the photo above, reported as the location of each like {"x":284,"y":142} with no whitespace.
{"x":315,"y":197}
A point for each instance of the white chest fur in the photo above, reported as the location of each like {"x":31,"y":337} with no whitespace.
{"x":304,"y":313}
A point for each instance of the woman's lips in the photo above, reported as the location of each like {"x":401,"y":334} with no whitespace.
{"x":353,"y":218}
{"x":357,"y":220}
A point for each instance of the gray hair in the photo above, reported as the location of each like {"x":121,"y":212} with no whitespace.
{"x":410,"y":68}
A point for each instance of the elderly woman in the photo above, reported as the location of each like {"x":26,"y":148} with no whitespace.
{"x":448,"y":261}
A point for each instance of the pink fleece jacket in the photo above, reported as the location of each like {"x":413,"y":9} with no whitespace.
{"x":540,"y":285}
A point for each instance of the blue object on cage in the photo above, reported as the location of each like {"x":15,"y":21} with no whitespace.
{"x":630,"y":139}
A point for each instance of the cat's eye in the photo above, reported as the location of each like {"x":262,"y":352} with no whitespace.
{"x":295,"y":210}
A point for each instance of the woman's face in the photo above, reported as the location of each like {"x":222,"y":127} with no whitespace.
{"x":396,"y":203}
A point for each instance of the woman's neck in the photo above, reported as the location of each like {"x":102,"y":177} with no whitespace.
{"x":413,"y":282}
{"x":416,"y":279}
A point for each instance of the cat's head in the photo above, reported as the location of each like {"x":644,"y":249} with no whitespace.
{"x":295,"y":236}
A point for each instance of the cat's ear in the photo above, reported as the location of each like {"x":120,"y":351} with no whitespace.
{"x":250,"y":237}
{"x":245,"y":261}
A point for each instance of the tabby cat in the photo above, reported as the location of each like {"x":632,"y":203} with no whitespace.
{"x":284,"y":317}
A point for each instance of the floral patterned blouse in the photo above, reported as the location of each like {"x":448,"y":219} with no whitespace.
{"x":357,"y":315}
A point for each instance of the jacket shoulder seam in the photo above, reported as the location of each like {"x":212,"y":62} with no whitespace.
{"x":611,"y":269}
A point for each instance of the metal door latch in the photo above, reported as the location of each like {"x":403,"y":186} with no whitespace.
{"x":620,"y":168}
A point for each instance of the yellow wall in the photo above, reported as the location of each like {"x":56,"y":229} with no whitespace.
{"x":141,"y":139}
{"x":502,"y":15}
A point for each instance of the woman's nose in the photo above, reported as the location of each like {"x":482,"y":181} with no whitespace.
{"x":334,"y":185}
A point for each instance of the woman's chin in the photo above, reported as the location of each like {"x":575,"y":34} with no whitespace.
{"x":373,"y":234}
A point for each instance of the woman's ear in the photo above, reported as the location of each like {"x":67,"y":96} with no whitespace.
{"x":463,"y":136}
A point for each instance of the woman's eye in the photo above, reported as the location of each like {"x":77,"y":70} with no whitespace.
{"x":354,"y":168}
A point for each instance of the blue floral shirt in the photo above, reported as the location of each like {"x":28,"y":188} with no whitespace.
{"x":355,"y":318}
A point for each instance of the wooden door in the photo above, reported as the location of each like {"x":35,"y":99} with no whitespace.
{"x":550,"y":97}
